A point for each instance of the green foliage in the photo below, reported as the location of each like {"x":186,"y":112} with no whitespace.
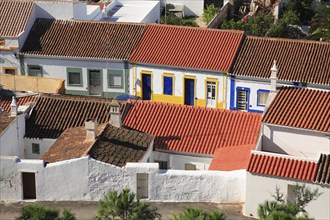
{"x":209,"y":13}
{"x":124,"y":207}
{"x":320,"y":26}
{"x":175,"y":20}
{"x":303,"y":8}
{"x":281,"y":210}
{"x":39,"y":212}
{"x":284,"y":26}
{"x":257,"y":25}
{"x":199,"y":214}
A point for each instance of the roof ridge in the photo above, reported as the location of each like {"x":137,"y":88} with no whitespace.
{"x":287,"y":39}
{"x":91,"y":21}
{"x":195,"y":28}
{"x":270,"y":154}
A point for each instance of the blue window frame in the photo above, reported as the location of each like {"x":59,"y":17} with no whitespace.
{"x":168,"y":85}
{"x":262,"y":95}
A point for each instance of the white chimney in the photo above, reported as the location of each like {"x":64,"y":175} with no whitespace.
{"x":91,"y":129}
{"x":273,"y":77}
{"x":13,"y":106}
{"x":115,"y":118}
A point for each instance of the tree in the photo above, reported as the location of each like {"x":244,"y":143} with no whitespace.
{"x":303,"y":8}
{"x":320,"y":25}
{"x":124,"y":207}
{"x":209,"y":13}
{"x":278,"y":209}
{"x":199,"y":214}
{"x":39,"y":212}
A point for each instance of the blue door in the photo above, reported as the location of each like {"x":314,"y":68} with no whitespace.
{"x":189,"y":91}
{"x":146,"y":86}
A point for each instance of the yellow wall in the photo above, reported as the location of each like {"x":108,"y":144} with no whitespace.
{"x":30,"y":83}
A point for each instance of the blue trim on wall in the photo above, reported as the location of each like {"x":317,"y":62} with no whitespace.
{"x":261,"y":90}
{"x":232,"y":94}
{"x":255,"y":111}
{"x":248,"y":96}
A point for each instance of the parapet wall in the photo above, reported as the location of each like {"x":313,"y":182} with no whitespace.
{"x":88,"y":180}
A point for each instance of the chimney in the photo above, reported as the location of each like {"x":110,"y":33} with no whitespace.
{"x":273,"y":77}
{"x":115,"y":118}
{"x":13,"y":106}
{"x":91,"y":129}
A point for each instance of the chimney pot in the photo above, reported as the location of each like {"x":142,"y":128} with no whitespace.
{"x":115,"y":118}
{"x":13,"y":106}
{"x":273,"y":77}
{"x":91,"y":129}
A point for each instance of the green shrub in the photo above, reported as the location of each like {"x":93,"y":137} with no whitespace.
{"x":209,"y":13}
{"x":199,"y":214}
{"x":39,"y":212}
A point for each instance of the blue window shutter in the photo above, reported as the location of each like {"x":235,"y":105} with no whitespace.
{"x":168,"y":85}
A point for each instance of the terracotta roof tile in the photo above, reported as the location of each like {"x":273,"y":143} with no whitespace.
{"x":70,"y":145}
{"x":86,"y":39}
{"x":52,"y":114}
{"x":300,"y":108}
{"x":323,"y":169}
{"x":5,"y":122}
{"x":231,"y":158}
{"x":6,"y":101}
{"x":192,"y":129}
{"x":14,"y":16}
{"x":297,"y":60}
{"x":188,"y":47}
{"x":284,"y":166}
{"x":118,"y":146}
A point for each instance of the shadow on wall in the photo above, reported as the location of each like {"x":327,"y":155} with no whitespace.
{"x":269,"y":146}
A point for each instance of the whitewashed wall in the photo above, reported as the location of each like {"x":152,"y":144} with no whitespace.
{"x":157,"y":87}
{"x":57,"y":68}
{"x":259,"y":188}
{"x":295,"y":142}
{"x":11,"y":139}
{"x":178,"y":161}
{"x":44,"y":144}
{"x":54,"y":10}
{"x":88,"y":179}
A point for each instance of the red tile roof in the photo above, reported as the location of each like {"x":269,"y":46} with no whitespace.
{"x":192,"y":129}
{"x":86,"y":39}
{"x":282,"y":166}
{"x":300,"y":108}
{"x":196,"y":48}
{"x":14,"y":16}
{"x":5,"y":102}
{"x":52,"y":114}
{"x":231,"y":158}
{"x":297,"y":60}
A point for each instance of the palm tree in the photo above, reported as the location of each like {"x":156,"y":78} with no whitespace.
{"x":320,"y":27}
{"x":124,"y":207}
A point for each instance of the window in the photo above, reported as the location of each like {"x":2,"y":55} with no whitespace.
{"x":9,"y":70}
{"x":168,"y":85}
{"x":162,"y":164}
{"x":115,"y":78}
{"x":35,"y":148}
{"x":74,"y":76}
{"x":290,"y":196}
{"x":35,"y":71}
{"x":189,"y":166}
{"x":262,"y":97}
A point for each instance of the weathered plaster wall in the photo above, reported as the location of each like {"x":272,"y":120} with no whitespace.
{"x":88,"y":179}
{"x":284,"y":140}
{"x":259,"y":188}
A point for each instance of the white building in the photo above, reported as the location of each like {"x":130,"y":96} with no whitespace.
{"x":91,"y":56}
{"x":268,"y":172}
{"x":300,"y":63}
{"x":184,"y":65}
